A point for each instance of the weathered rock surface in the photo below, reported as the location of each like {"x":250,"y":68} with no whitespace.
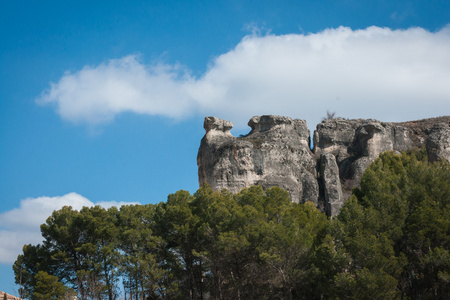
{"x":357,"y":143}
{"x":277,"y":152}
{"x":330,"y":183}
{"x":438,"y":142}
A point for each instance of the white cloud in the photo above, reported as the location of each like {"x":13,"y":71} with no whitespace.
{"x":391,"y":75}
{"x":21,"y":226}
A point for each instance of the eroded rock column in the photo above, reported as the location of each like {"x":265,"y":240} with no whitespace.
{"x":331,"y":183}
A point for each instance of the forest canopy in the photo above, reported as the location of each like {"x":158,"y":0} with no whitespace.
{"x":390,"y":240}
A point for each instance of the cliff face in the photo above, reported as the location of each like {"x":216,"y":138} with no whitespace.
{"x":277,"y":152}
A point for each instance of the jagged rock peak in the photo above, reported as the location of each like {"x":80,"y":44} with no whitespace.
{"x":264,"y":123}
{"x":270,"y":122}
{"x":216,"y":125}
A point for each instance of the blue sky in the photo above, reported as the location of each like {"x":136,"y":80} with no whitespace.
{"x":102,"y":102}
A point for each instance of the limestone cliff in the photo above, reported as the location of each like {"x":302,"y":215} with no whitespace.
{"x":277,"y":152}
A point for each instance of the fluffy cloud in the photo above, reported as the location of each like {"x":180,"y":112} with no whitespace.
{"x":22,"y":225}
{"x":375,"y":72}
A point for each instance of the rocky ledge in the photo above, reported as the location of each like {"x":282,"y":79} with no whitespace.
{"x":277,"y":152}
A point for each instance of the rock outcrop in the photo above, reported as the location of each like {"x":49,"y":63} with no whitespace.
{"x":277,"y":151}
{"x":357,"y":143}
{"x":5,"y":296}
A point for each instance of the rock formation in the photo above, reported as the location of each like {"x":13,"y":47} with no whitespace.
{"x":277,"y":152}
{"x":5,"y":296}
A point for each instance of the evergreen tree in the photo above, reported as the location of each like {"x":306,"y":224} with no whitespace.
{"x":49,"y":288}
{"x":396,"y":229}
{"x":390,"y":240}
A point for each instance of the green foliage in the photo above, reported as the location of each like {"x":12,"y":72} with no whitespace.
{"x":27,"y":265}
{"x":49,"y":288}
{"x":142,"y":253}
{"x":391,"y":240}
{"x":397,"y":226}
